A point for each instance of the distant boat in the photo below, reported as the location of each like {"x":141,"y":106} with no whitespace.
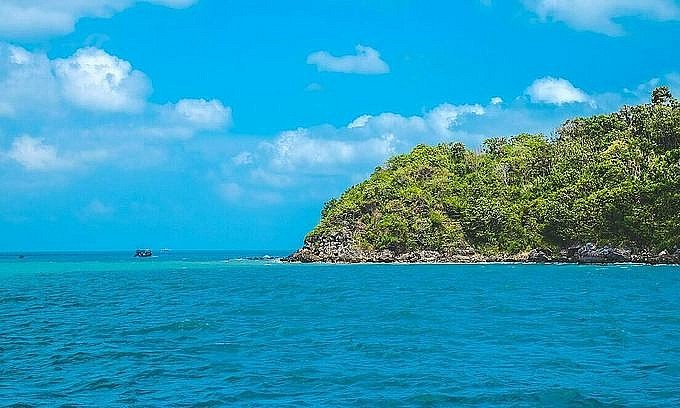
{"x":143,"y":253}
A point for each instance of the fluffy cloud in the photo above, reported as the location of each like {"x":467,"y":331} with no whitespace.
{"x":90,"y":79}
{"x":203,"y":114}
{"x":301,"y":149}
{"x":54,"y":101}
{"x":600,"y":16}
{"x":321,"y":158}
{"x":366,"y":140}
{"x":442,"y":118}
{"x":34,"y":154}
{"x":38,"y":18}
{"x":366,"y":61}
{"x":181,"y":120}
{"x":95,"y":80}
{"x":556,"y":91}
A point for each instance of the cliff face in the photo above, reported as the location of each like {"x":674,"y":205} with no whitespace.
{"x":610,"y":180}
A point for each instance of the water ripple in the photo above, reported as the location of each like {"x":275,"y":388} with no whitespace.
{"x":211,"y":333}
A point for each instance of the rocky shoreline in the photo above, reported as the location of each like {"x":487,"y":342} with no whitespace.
{"x":339,"y":248}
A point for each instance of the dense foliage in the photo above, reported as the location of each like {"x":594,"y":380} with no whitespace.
{"x":611,"y":179}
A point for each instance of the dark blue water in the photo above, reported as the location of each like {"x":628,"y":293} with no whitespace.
{"x":193,"y":330}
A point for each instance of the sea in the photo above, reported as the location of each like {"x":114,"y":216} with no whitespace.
{"x":221,"y":328}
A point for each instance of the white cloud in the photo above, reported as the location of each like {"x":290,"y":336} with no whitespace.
{"x":27,"y":82}
{"x":443,"y":117}
{"x":34,"y":154}
{"x":40,"y":18}
{"x":367,"y":139}
{"x":301,"y":149}
{"x":361,"y":121}
{"x":203,"y":114}
{"x":321,"y":158}
{"x":90,"y":79}
{"x":644,"y":90}
{"x":96,"y":80}
{"x":366,"y":61}
{"x":556,"y":91}
{"x":496,"y":100}
{"x":601,"y":15}
{"x":436,"y":124}
{"x":35,"y":88}
{"x":182,"y":119}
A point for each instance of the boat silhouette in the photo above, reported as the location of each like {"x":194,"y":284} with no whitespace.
{"x":143,"y":253}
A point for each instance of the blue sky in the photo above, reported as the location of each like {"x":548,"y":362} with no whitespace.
{"x":227,"y":124}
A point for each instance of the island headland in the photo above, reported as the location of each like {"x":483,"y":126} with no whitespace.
{"x":603,"y":189}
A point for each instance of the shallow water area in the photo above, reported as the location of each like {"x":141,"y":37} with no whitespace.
{"x":218,"y":328}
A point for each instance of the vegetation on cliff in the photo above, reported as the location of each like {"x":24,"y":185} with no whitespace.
{"x":611,"y":179}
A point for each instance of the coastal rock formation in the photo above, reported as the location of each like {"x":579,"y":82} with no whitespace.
{"x":603,"y":190}
{"x":538,"y":256}
{"x":339,"y":249}
{"x":590,"y":253}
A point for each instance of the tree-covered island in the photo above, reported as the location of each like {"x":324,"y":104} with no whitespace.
{"x":604,"y":189}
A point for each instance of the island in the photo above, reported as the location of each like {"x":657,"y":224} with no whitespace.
{"x":603,"y":189}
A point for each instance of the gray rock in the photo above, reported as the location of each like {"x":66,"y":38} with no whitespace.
{"x":590,"y":253}
{"x":339,"y":246}
{"x":538,"y":256}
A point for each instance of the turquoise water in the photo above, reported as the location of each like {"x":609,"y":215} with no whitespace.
{"x":191,"y":329}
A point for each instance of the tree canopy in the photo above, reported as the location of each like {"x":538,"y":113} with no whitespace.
{"x":611,"y":179}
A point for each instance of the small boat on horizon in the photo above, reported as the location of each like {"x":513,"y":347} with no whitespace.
{"x":143,"y":253}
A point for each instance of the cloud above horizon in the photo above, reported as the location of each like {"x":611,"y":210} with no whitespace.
{"x":367,"y":137}
{"x":310,"y":162}
{"x":34,"y":154}
{"x":314,"y":155}
{"x":555,"y":91}
{"x":602,"y":16}
{"x":35,"y":18}
{"x":95,"y":80}
{"x":92,"y":110}
{"x":367,"y":61}
{"x":95,"y":105}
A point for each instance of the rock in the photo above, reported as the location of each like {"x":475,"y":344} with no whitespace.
{"x":429,"y":256}
{"x":590,"y":253}
{"x":385,"y":256}
{"x":339,"y":246}
{"x":665,"y":257}
{"x":572,"y":251}
{"x":538,"y":256}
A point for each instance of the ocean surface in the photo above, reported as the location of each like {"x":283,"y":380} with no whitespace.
{"x":209,"y":329}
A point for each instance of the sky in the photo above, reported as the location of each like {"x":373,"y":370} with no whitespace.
{"x":213,"y":124}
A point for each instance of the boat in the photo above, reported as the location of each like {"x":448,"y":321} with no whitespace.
{"x":143,"y":253}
